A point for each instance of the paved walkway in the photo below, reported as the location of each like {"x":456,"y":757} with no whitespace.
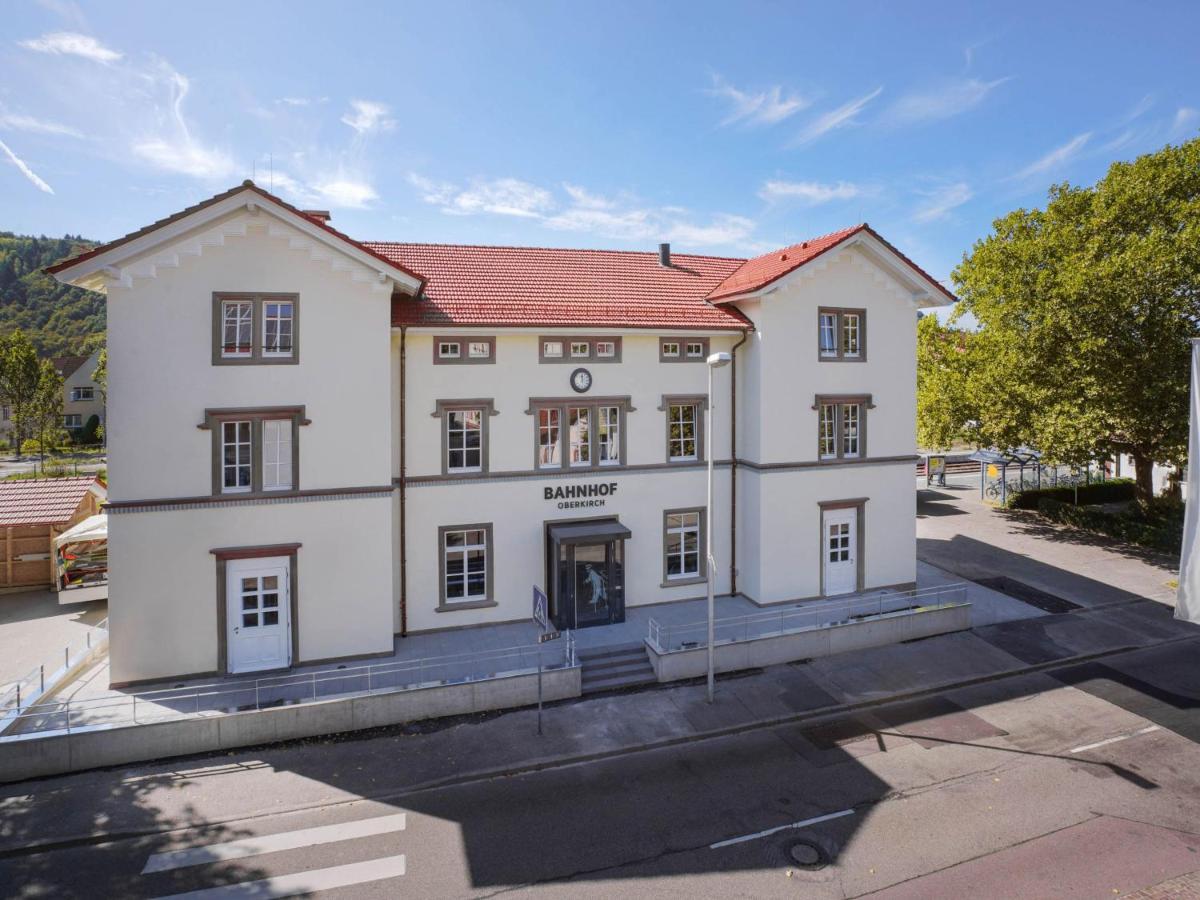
{"x":34,"y":629}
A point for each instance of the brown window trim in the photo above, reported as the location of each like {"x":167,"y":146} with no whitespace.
{"x":562,"y":404}
{"x":837,"y":334}
{"x":683,"y":342}
{"x":863,"y":401}
{"x":701,"y":403}
{"x":463,"y":359}
{"x":488,"y":407}
{"x":256,"y":416}
{"x":567,"y":340}
{"x":489,"y":544}
{"x":223,"y":555}
{"x":856,"y":503}
{"x":667,"y":581}
{"x":256,"y":357}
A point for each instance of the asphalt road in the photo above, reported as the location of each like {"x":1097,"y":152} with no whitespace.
{"x":1084,"y":784}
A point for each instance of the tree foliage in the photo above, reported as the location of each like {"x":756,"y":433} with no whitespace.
{"x":20,"y":374}
{"x":45,"y":413}
{"x":60,"y":320}
{"x":1085,"y":312}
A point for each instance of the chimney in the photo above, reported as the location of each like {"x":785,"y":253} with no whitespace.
{"x":664,"y":254}
{"x":321,"y":215}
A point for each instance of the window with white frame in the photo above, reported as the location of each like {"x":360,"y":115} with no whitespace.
{"x":549,"y":444}
{"x":851,"y":416}
{"x":579,"y":419}
{"x":72,"y":420}
{"x":449,"y":350}
{"x":236,"y":456}
{"x":841,"y":427}
{"x":82,"y":393}
{"x":464,"y":350}
{"x":580,"y":349}
{"x":479,"y":349}
{"x":670,"y":349}
{"x":683,"y":431}
{"x":695,"y":349}
{"x":277,"y":455}
{"x":606,"y":349}
{"x":608,"y":437}
{"x":464,"y":440}
{"x":237,"y":329}
{"x":571,"y":348}
{"x":465,"y":565}
{"x":279,"y":318}
{"x":828,"y":427}
{"x":552,"y":349}
{"x":681,"y":547}
{"x":841,"y":334}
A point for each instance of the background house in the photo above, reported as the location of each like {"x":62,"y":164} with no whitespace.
{"x":82,"y":397}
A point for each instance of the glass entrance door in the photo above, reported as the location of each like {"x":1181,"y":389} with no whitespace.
{"x":590,"y":586}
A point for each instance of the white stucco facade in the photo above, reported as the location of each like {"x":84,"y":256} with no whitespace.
{"x":362,"y":536}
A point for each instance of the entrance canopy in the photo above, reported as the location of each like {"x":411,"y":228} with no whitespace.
{"x":589,"y":532}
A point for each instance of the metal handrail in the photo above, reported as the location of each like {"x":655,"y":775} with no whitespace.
{"x":824,"y":614}
{"x":33,"y":684}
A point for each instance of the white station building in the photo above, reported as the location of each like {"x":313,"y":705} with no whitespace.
{"x":317,"y":444}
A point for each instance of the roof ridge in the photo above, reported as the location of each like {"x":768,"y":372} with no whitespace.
{"x":554,"y":249}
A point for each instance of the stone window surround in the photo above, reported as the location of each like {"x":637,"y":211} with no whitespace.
{"x":463,"y":358}
{"x":223,"y":555}
{"x":683,"y":342}
{"x":856,"y":503}
{"x":488,"y":407}
{"x":838,"y":327}
{"x":623,"y":403}
{"x":702,"y":553}
{"x":700,"y":401}
{"x":489,"y":571}
{"x":255,"y":415}
{"x":863,"y":401}
{"x":566,"y":341}
{"x":257,"y":299}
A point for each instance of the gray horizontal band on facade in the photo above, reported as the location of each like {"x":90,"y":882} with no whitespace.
{"x":543,"y":474}
{"x":843,"y":463}
{"x":119,"y":507}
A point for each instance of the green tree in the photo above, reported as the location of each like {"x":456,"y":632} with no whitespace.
{"x":19,"y":376}
{"x":100,"y":376}
{"x":1085,"y":313}
{"x":46,"y":409}
{"x":944,"y":410}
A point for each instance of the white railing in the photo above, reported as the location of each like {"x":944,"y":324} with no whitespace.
{"x":33,"y":686}
{"x":246,"y":694}
{"x":666,"y":637}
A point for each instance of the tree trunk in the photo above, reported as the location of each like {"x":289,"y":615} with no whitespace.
{"x":1143,"y":477}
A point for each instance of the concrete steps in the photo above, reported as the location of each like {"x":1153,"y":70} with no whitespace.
{"x":613,"y":668}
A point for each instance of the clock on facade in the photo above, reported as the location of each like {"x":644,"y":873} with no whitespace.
{"x":581,"y":380}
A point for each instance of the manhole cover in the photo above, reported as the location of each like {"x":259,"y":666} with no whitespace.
{"x":806,"y":855}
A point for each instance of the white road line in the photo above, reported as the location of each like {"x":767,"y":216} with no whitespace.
{"x":771,"y":831}
{"x":273,"y":843}
{"x":1113,"y":740}
{"x":302,"y":882}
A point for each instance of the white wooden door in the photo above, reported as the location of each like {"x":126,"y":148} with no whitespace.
{"x":839,"y":552}
{"x":258,"y":618}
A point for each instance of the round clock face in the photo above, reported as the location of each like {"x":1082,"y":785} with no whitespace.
{"x":581,"y":380}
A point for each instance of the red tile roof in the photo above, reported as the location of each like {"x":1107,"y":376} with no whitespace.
{"x":763,"y":270}
{"x":536,"y":286}
{"x":67,"y":365}
{"x":42,"y":501}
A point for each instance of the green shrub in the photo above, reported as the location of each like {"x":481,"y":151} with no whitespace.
{"x":1157,"y":525}
{"x":88,"y":434}
{"x":1112,"y":491}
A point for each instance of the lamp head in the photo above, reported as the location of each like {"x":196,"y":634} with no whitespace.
{"x":716,"y":360}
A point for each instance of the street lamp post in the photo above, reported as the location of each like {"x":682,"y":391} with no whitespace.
{"x":715,"y":361}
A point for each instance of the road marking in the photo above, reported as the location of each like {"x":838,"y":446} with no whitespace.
{"x":771,"y":831}
{"x":302,"y":882}
{"x":1113,"y":740}
{"x":272,"y":843}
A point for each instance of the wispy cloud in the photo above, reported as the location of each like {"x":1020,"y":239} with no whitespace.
{"x":71,"y":43}
{"x":25,"y":170}
{"x":766,"y":107}
{"x":174,"y":149}
{"x":1056,"y":157}
{"x":302,"y":101}
{"x":585,"y":199}
{"x":1186,"y":118}
{"x":368,"y":117}
{"x":950,"y":99}
{"x":501,"y":197}
{"x":939,"y":202}
{"x":835,"y":118}
{"x":812,"y":193}
{"x":17,"y":122}
{"x":346,"y":192}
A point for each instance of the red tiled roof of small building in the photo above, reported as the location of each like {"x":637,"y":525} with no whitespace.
{"x":43,"y":501}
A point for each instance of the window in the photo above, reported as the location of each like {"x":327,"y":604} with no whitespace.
{"x":255,"y":450}
{"x":83,"y":393}
{"x":464,"y":440}
{"x":682,"y":349}
{"x":683,"y":431}
{"x":842,"y":426}
{"x":695,"y":349}
{"x":279,"y":317}
{"x":670,"y":349}
{"x":236,"y":457}
{"x":841,"y":334}
{"x":682,"y":537}
{"x":6,"y":413}
{"x":463,"y":351}
{"x":72,"y":420}
{"x":255,"y":329}
{"x":277,"y":454}
{"x":572,"y":348}
{"x":465,"y":563}
{"x":571,"y":435}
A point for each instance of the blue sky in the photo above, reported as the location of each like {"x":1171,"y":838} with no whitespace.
{"x":722,"y":128}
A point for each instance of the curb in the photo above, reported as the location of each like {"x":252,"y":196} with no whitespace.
{"x":565,"y":761}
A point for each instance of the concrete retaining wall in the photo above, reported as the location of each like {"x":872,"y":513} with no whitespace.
{"x":34,"y":756}
{"x":773,"y":650}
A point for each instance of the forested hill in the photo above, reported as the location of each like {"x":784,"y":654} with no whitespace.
{"x":60,"y":320}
